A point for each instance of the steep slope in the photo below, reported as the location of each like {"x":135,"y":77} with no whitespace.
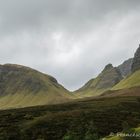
{"x":22,"y":86}
{"x":109,"y":77}
{"x":131,"y":81}
{"x":125,"y":67}
{"x":136,"y":61}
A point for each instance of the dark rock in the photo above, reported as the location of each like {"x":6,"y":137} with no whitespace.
{"x":136,"y":61}
{"x":107,"y":67}
{"x":125,"y":67}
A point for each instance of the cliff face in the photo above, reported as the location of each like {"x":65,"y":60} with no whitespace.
{"x":136,"y":61}
{"x":125,"y":67}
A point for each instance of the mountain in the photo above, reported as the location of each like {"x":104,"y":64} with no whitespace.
{"x":21,"y":86}
{"x":130,"y":85}
{"x":125,"y":67}
{"x":136,"y":61}
{"x":109,"y":77}
{"x":132,"y":80}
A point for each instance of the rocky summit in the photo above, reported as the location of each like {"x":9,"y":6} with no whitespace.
{"x":136,"y":61}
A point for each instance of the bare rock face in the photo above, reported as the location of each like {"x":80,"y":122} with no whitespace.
{"x":136,"y":61}
{"x":125,"y":67}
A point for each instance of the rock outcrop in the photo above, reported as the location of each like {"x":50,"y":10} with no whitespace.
{"x":136,"y":61}
{"x":125,"y":67}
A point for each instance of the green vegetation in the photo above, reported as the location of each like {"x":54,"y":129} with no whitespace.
{"x":89,"y":119}
{"x":131,"y":81}
{"x":114,"y":138}
{"x":131,"y":134}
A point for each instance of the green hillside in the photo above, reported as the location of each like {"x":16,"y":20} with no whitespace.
{"x":22,"y":86}
{"x":109,"y":77}
{"x":131,"y":81}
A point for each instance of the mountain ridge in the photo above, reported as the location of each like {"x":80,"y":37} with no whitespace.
{"x":128,"y":74}
{"x":22,"y":86}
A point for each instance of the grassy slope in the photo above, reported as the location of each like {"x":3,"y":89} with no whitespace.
{"x":131,"y":81}
{"x":134,"y":91}
{"x":22,"y":87}
{"x":90,"y":89}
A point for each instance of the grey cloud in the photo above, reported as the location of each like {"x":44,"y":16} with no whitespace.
{"x":33,"y":14}
{"x":71,"y":40}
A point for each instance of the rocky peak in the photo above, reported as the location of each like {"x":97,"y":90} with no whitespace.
{"x":108,"y":67}
{"x":136,"y":61}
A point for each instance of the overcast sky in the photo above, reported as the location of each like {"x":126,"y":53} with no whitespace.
{"x":71,"y":40}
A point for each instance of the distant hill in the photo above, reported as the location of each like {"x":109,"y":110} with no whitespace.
{"x":21,"y":86}
{"x":109,"y":77}
{"x":125,"y":67}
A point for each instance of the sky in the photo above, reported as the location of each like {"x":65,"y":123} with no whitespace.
{"x":71,"y":40}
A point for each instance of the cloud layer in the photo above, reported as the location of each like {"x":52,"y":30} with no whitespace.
{"x":71,"y":40}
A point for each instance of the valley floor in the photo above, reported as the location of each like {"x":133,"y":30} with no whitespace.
{"x":89,"y":119}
